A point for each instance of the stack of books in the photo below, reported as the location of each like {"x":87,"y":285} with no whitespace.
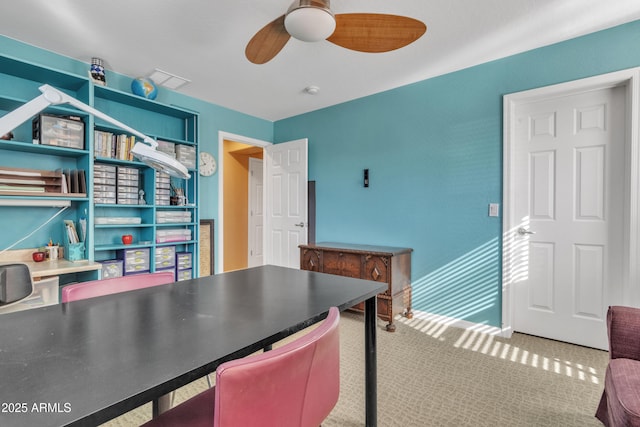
{"x":112,"y":146}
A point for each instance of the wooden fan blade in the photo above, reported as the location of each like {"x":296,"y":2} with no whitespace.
{"x":267,"y":42}
{"x":375,"y":33}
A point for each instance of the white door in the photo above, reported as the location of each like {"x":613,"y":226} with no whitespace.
{"x":285,"y":181}
{"x":568,"y":209}
{"x":256,"y":213}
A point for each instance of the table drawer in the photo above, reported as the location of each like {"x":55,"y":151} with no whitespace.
{"x":342,"y":263}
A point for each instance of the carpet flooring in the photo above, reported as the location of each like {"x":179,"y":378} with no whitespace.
{"x":431,"y":374}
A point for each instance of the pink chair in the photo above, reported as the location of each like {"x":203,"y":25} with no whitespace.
{"x":296,"y":385}
{"x":96,"y":288}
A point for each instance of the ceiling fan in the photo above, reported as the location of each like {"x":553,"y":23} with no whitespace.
{"x":313,"y":20}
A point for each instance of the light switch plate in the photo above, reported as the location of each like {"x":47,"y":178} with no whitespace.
{"x":494,"y":209}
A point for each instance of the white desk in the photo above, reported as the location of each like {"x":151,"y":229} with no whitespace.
{"x":48,"y":268}
{"x":45,"y":278}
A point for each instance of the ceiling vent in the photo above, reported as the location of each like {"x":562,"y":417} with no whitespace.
{"x":168,"y":80}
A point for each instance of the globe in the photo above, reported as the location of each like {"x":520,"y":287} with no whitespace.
{"x":144,"y":87}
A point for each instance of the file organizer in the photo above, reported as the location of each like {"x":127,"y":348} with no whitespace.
{"x":73,"y":251}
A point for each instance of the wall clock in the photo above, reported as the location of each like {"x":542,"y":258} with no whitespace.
{"x":208,"y":165}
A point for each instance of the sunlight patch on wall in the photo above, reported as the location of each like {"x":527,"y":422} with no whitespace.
{"x":466,"y":286}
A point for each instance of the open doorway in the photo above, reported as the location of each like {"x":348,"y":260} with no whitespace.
{"x":237,"y":157}
{"x":284,"y":199}
{"x":237,"y":203}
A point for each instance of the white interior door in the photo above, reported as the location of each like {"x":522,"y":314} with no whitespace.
{"x":285,"y":181}
{"x":568,"y":191}
{"x":256,"y":213}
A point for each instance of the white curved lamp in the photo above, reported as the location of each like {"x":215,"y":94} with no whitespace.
{"x":144,"y":151}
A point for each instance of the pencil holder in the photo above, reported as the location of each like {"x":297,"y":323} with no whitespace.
{"x":74,"y":251}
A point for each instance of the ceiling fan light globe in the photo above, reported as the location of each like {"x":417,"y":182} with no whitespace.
{"x":310,"y":24}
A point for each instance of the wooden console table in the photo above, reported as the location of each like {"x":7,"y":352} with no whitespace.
{"x":379,"y":263}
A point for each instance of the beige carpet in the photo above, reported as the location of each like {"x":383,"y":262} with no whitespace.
{"x":430,"y":374}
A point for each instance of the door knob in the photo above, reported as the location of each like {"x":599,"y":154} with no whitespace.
{"x":523,"y":231}
{"x":299,"y":225}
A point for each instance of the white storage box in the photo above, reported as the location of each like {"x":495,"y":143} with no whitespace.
{"x":58,"y":130}
{"x":135,"y":260}
{"x":112,"y":268}
{"x":108,"y":169}
{"x":184,"y":275}
{"x":186,"y":151}
{"x":168,"y":217}
{"x":186,"y":154}
{"x":105,"y":180}
{"x":184,"y":260}
{"x":163,"y":200}
{"x":127,"y":183}
{"x":163,"y":180}
{"x":105,"y":200}
{"x":127,"y":201}
{"x":167,"y":148}
{"x":45,"y":292}
{"x":127,"y":191}
{"x":120,"y":220}
{"x":165,"y":257}
{"x":173,"y":235}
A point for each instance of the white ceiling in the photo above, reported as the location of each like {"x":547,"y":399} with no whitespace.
{"x":204,"y":41}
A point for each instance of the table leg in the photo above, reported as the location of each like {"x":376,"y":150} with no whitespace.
{"x":162,"y":404}
{"x":371,"y":363}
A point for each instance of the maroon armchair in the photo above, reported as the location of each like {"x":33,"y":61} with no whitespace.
{"x":620,"y":402}
{"x":296,"y":385}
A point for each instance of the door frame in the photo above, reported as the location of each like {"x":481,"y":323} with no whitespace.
{"x":222,"y":136}
{"x":252,"y":162}
{"x":630,"y":79}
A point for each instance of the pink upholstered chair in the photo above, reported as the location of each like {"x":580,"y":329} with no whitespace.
{"x":620,"y":402}
{"x":96,"y":288}
{"x":296,"y":385}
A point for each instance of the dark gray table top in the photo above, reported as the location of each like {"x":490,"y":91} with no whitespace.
{"x":88,"y":361}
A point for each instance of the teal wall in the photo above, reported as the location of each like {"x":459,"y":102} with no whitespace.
{"x":434,"y":154}
{"x":434,"y":151}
